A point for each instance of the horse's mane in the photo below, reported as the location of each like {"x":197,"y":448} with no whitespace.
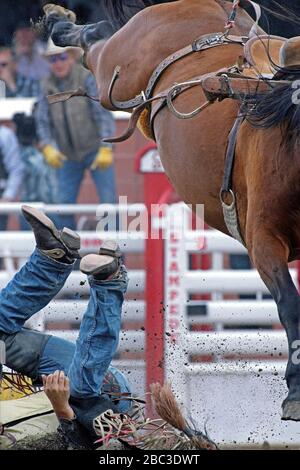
{"x":120,"y":11}
{"x":282,"y":12}
{"x":278,"y":108}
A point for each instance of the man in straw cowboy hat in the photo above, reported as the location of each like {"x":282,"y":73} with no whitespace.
{"x":70,"y":132}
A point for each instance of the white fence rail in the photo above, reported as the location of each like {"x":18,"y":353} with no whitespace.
{"x":72,"y":310}
{"x":226,"y":281}
{"x":237,"y":342}
{"x":231,"y":313}
{"x":235,"y":312}
{"x":130,"y":341}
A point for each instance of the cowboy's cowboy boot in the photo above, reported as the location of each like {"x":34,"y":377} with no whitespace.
{"x":61,"y":245}
{"x":106,"y":264}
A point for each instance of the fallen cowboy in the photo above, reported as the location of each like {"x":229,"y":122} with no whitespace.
{"x":87,"y":394}
{"x":29,"y":423}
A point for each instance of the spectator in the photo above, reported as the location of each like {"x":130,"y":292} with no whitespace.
{"x":40,"y":182}
{"x":16,"y":84}
{"x":70,"y":132}
{"x":13,"y":12}
{"x":11,"y":169}
{"x":30,"y":63}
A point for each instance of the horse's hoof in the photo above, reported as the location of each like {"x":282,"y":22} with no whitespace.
{"x":51,"y":9}
{"x":291,"y":411}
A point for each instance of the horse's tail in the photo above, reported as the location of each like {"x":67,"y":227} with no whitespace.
{"x":168,"y":409}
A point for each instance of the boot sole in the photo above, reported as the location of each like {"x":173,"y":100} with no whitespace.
{"x":110,"y":248}
{"x":68,"y":237}
{"x":97,"y":264}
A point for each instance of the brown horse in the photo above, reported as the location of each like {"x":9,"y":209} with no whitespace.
{"x":266,"y":175}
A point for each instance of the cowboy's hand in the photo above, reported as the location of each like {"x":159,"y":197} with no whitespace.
{"x":53,"y":156}
{"x":103,"y":159}
{"x":57,"y":389}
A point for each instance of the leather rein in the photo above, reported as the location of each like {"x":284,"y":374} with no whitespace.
{"x":206,"y":41}
{"x":231,"y":83}
{"x":146,"y":98}
{"x":227,"y":79}
{"x":203,"y":43}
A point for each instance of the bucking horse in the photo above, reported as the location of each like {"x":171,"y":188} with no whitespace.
{"x":221,"y":100}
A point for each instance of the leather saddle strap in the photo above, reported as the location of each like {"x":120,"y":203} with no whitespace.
{"x":230,"y":154}
{"x":206,"y":41}
{"x":161,"y":98}
{"x":230,"y":211}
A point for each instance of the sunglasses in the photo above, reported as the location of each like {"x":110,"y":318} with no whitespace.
{"x":58,"y":58}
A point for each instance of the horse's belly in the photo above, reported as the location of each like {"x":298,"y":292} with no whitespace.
{"x":192,"y":154}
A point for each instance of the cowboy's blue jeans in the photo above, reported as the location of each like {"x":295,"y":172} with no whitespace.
{"x":87,"y":362}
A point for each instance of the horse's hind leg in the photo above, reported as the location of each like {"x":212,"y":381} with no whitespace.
{"x":270,"y":256}
{"x":66,"y":34}
{"x":60,"y":23}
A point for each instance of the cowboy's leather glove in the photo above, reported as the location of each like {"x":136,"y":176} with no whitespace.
{"x":53,"y":156}
{"x":104,"y":159}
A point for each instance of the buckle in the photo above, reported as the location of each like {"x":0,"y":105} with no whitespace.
{"x":210,"y":40}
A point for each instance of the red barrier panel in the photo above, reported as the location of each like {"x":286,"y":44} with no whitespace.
{"x":157,"y":190}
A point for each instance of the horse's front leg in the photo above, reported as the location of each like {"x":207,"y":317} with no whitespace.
{"x":270,"y":254}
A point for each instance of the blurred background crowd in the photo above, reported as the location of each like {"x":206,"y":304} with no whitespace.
{"x":44,"y":157}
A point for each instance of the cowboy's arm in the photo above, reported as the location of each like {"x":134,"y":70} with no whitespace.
{"x":57,"y":389}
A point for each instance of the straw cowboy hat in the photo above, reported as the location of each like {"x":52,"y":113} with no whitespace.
{"x":290,"y":53}
{"x":52,"y":49}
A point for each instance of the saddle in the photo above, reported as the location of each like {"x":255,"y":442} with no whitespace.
{"x":258,"y":72}
{"x":290,"y":53}
{"x":262,"y":55}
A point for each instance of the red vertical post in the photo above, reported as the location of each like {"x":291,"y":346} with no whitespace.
{"x":156,"y":185}
{"x":154,"y":296}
